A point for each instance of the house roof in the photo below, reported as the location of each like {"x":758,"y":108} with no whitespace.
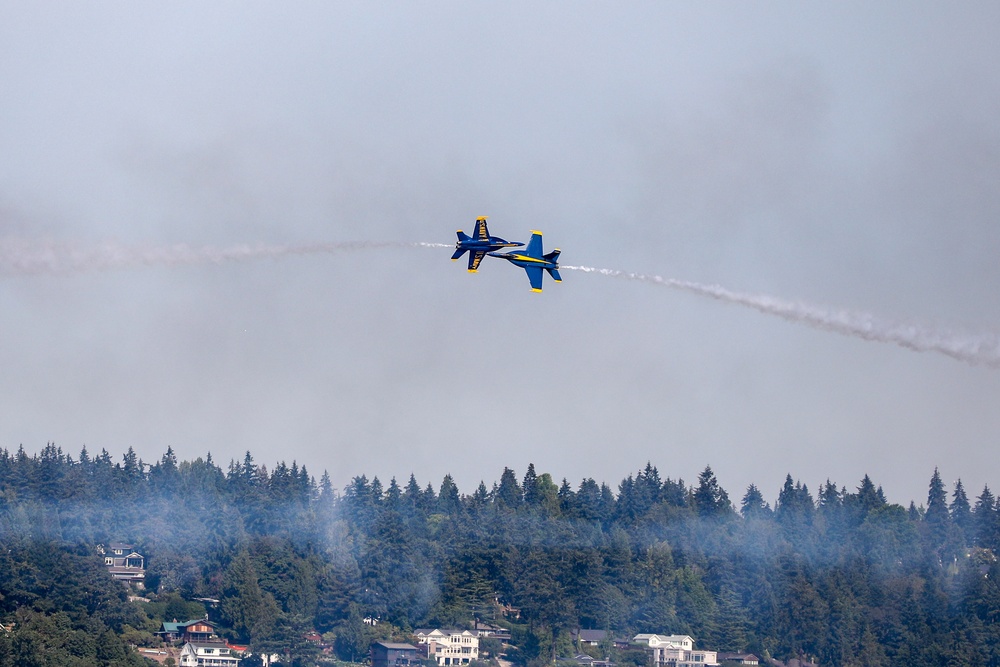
{"x":441,"y":631}
{"x":593,"y":635}
{"x":398,"y":646}
{"x":218,"y":644}
{"x":180,"y":627}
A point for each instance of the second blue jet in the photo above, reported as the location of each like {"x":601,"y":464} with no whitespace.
{"x":534,"y":262}
{"x":479,"y":244}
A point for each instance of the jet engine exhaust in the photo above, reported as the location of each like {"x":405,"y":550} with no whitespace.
{"x":52,"y":257}
{"x":22,"y":258}
{"x":975,"y":349}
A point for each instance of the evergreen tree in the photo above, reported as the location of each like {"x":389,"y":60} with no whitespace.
{"x":509,"y":492}
{"x":710,"y":499}
{"x":532,"y":496}
{"x":249,"y":611}
{"x":961,"y":513}
{"x":753,"y":505}
{"x":448,"y":501}
{"x":943,"y":540}
{"x":986,"y":520}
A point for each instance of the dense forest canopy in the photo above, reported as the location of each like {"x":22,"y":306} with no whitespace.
{"x":842,"y":576}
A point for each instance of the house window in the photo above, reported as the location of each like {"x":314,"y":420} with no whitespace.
{"x":109,"y":561}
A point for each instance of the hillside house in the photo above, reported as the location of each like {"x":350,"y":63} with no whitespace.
{"x":590,"y":637}
{"x":481,"y":629}
{"x":391,"y":654}
{"x":674,"y":651}
{"x":124,"y":562}
{"x":449,"y":647}
{"x":199,"y":630}
{"x":207,"y":654}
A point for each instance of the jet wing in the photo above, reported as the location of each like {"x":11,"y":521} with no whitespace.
{"x":475,"y":257}
{"x":535,"y":274}
{"x":534,"y":248}
{"x":482,"y":233}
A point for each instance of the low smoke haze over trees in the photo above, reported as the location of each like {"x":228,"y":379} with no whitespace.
{"x":844,"y":577}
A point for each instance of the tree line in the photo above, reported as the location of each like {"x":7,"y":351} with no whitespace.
{"x":842,"y":577}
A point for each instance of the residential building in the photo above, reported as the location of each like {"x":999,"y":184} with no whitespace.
{"x":481,"y":629}
{"x":198,"y":630}
{"x":739,"y":658}
{"x":449,"y":647}
{"x":389,"y":654}
{"x":584,"y":660}
{"x":591,"y":637}
{"x":675,"y":651}
{"x":124,"y":562}
{"x":207,"y":654}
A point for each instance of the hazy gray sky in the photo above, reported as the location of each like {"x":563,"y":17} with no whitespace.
{"x":842,"y":154}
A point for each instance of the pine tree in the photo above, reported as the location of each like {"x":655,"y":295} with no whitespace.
{"x":940,"y":533}
{"x":448,"y":502}
{"x":753,"y":505}
{"x":509,"y":492}
{"x":961,"y":513}
{"x":710,"y":499}
{"x":986,"y":519}
{"x":532,"y":497}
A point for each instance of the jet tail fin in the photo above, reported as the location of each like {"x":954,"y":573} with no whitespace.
{"x":462,"y":236}
{"x":552,"y":256}
{"x":555,"y":275}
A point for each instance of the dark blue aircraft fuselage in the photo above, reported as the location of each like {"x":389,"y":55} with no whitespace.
{"x":479,"y":244}
{"x":534,"y":261}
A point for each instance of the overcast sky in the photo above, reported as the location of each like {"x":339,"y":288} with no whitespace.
{"x":842,"y":154}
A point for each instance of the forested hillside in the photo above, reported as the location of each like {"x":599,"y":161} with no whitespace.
{"x":842,"y":576}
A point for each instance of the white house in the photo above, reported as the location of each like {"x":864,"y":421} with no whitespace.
{"x":675,"y":651}
{"x":207,"y":654}
{"x":449,"y":647}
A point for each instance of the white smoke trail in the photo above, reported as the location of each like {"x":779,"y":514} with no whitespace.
{"x":976,"y":349}
{"x":19,"y":257}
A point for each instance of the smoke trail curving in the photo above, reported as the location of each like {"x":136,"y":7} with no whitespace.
{"x":18,"y":257}
{"x":976,"y":349}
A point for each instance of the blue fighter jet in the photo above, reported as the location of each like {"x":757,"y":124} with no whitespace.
{"x":534,"y":262}
{"x":479,"y":244}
